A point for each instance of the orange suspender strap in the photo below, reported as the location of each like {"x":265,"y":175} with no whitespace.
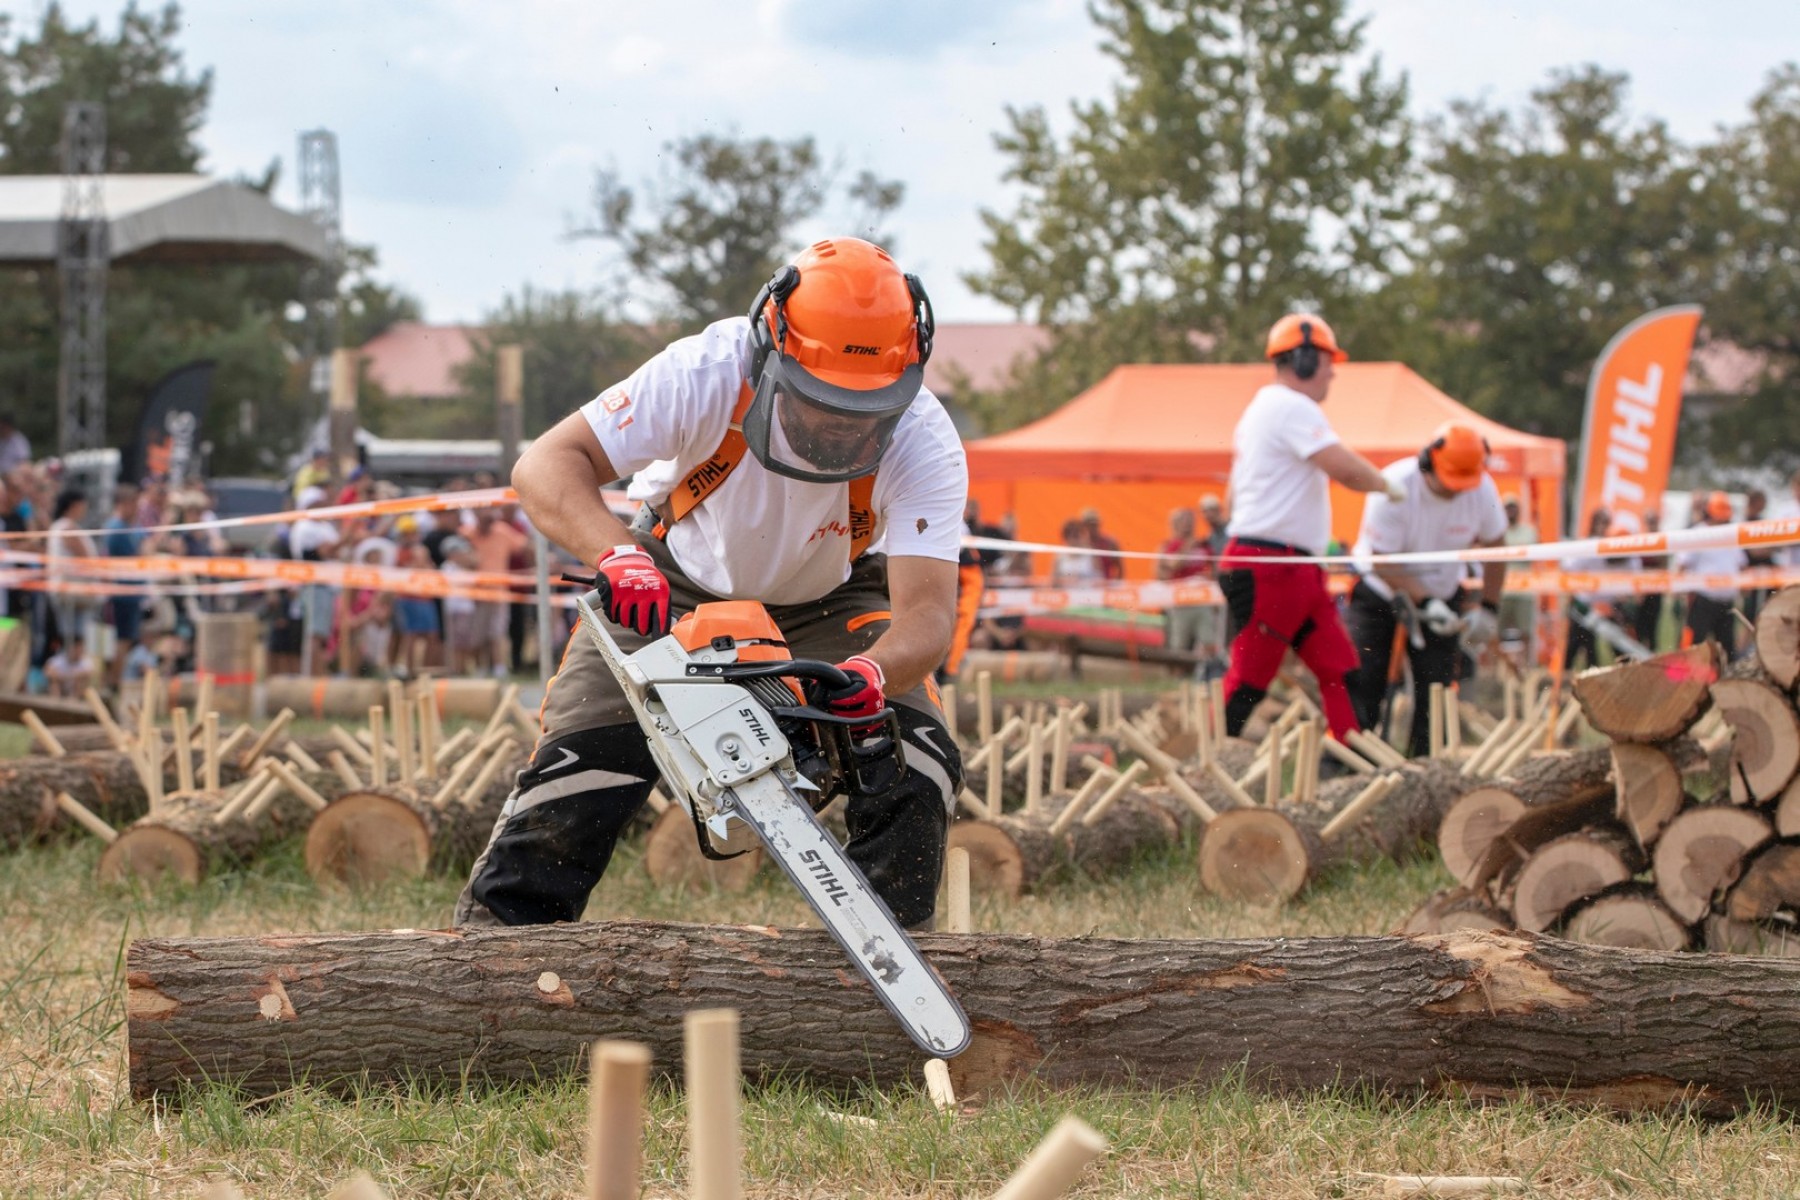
{"x":704,"y":479}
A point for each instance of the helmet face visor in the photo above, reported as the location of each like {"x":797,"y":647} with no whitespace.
{"x":804,"y":428}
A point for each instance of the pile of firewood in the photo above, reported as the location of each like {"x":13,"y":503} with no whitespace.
{"x":1683,"y":833}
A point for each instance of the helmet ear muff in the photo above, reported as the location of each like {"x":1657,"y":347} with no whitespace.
{"x":1305,"y":359}
{"x":781,"y":285}
{"x":1425,"y":456}
{"x":923,"y":317}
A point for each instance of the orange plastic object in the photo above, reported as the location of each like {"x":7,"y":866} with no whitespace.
{"x":745,"y":622}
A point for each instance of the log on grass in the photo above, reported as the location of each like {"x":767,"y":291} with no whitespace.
{"x":185,"y":840}
{"x":1484,"y":1016}
{"x":1017,"y":853}
{"x":673,"y":858}
{"x":371,"y":834}
{"x":1765,"y":741}
{"x":1652,"y":700}
{"x":105,"y":782}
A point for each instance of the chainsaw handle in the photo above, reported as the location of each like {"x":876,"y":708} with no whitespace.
{"x":794,"y":668}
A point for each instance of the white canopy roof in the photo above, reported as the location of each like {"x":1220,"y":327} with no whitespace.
{"x":158,"y":218}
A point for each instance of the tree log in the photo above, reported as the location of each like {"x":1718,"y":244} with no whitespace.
{"x":1778,"y":636}
{"x":1769,"y":885}
{"x":1017,"y":852}
{"x":1456,"y":909}
{"x":1649,"y":701}
{"x":1649,"y":790}
{"x":1765,"y":743}
{"x":1472,"y":825}
{"x":1567,"y":869}
{"x":1629,"y":916}
{"x":1471,"y":1015}
{"x":183,"y":838}
{"x":673,"y":859}
{"x":1701,"y":851}
{"x":1787,"y":812}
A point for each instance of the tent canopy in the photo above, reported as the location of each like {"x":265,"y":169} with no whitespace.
{"x":1150,"y":438}
{"x":158,"y":218}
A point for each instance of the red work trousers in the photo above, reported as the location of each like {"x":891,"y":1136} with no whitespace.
{"x":1279,"y":606}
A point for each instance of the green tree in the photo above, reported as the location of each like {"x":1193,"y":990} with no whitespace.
{"x":1243,"y":164}
{"x":724,"y":216}
{"x":1549,"y":228}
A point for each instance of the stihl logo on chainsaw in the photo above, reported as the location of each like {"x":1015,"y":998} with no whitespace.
{"x":821,"y":871}
{"x":755,"y":725}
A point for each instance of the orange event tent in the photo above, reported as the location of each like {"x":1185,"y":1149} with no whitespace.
{"x":1147,"y":439}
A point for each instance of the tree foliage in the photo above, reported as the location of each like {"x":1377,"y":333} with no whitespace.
{"x":723,"y":217}
{"x":1244,"y":163}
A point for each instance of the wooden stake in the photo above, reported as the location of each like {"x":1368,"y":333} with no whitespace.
{"x":659,"y":803}
{"x":406,"y":758}
{"x":957,"y":918}
{"x":1168,"y":770}
{"x":153,"y":775}
{"x":970,"y":801}
{"x":1079,"y":800}
{"x":452,"y":748}
{"x":431,"y":729}
{"x":1223,"y":778}
{"x":1452,"y":724}
{"x":984,"y":706}
{"x":459,"y":774}
{"x":938,"y":1086}
{"x":344,"y":770}
{"x":1374,"y":749}
{"x":1434,"y":721}
{"x":221,"y":1189}
{"x":1052,"y":1168}
{"x":1217,"y":688}
{"x":1034,"y":770}
{"x":1118,"y":787}
{"x":240,"y":799}
{"x":41,"y":732}
{"x":240,"y":735}
{"x":184,"y":755}
{"x":209,"y":752}
{"x":353,"y":749}
{"x":304,"y":790}
{"x":1272,"y":774}
{"x":358,"y":1187}
{"x":296,"y":754}
{"x":265,"y":795}
{"x":377,"y":746}
{"x":509,"y":699}
{"x":710,"y":1066}
{"x":1306,"y":765}
{"x":495,"y":764}
{"x":103,"y":715}
{"x":257,"y":748}
{"x":1346,"y":755}
{"x":618,"y":1074}
{"x":147,"y":704}
{"x":1446,"y":1185}
{"x":84,"y":816}
{"x":1059,"y":752}
{"x":203,"y":697}
{"x":1362,"y":803}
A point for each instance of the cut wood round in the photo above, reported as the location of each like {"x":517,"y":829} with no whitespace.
{"x":1471,"y":826}
{"x":1256,"y":856}
{"x":1778,"y":636}
{"x":1769,"y":884}
{"x":672,"y":857}
{"x":1456,"y":908}
{"x":1016,"y":853}
{"x":1567,"y":869}
{"x":1652,"y":700}
{"x":184,"y":839}
{"x":1631,"y":916}
{"x":1765,"y":743}
{"x":1773,"y":940}
{"x":1701,"y":851}
{"x":1787,"y":811}
{"x":1491,"y":1017}
{"x":1649,"y":787}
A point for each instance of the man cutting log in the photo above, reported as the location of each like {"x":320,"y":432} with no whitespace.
{"x":1446,"y":501}
{"x":794,"y":458}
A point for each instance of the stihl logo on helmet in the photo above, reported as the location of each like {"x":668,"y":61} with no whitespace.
{"x":869,"y":350}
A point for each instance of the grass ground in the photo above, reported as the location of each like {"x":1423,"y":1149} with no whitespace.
{"x":68,"y":1127}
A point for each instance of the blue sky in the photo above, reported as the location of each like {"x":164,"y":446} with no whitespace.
{"x":469,"y":130}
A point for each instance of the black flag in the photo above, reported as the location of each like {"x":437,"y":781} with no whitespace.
{"x":168,"y":438}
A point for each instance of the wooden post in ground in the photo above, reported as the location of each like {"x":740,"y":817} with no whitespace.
{"x":1434,"y":718}
{"x":184,"y":755}
{"x":1052,"y":1168}
{"x":618,"y":1074}
{"x":715,"y":1163}
{"x":377,"y":747}
{"x":984,"y":706}
{"x":958,"y":917}
{"x":948,"y":692}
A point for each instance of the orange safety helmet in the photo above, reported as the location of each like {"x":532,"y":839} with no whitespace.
{"x":1455,"y":456}
{"x":838,"y":344}
{"x":1718,"y":507}
{"x":1297,"y":330}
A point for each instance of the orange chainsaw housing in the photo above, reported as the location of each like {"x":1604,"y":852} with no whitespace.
{"x":747,"y":623}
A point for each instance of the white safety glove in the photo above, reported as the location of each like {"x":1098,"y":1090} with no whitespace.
{"x":1480,"y":626}
{"x":1440,"y":618}
{"x":1395,"y":491}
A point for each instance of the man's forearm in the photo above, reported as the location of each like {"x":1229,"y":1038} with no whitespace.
{"x":1402,"y":581}
{"x":1493,"y":582}
{"x":912,"y":648}
{"x":562,"y":497}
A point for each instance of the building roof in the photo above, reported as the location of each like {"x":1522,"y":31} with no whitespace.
{"x":979,"y":354}
{"x":412,"y":358}
{"x":158,"y":218}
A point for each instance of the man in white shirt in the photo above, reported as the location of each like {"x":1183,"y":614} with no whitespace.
{"x":1449,"y":502}
{"x":1710,"y":610}
{"x":776,"y":457}
{"x":1286,"y":457}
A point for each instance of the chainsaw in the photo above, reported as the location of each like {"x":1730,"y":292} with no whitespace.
{"x":752,"y":760}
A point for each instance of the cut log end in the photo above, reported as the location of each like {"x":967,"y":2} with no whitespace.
{"x":672,"y":857}
{"x":366,"y":838}
{"x":1568,"y":869}
{"x":1769,"y":885}
{"x":1701,"y":851}
{"x":1254,"y":855}
{"x":1634,"y":918}
{"x":1649,"y":701}
{"x":996,"y":865}
{"x":1765,"y":743}
{"x":1778,"y":636}
{"x":150,"y":852}
{"x":1472,"y":825}
{"x":1649,"y":786}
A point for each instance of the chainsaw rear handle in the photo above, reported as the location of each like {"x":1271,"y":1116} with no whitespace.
{"x":795,"y":668}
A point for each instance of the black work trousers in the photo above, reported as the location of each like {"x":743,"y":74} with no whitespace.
{"x":1372,"y":621}
{"x":1710,"y":619}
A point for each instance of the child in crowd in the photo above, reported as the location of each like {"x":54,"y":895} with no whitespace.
{"x":461,"y":638}
{"x":416,"y":617}
{"x":70,"y":672}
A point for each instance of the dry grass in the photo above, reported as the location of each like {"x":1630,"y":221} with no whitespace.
{"x":67,"y":1127}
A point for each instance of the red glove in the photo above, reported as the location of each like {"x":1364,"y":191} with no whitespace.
{"x":633,"y":592}
{"x":863,"y":696}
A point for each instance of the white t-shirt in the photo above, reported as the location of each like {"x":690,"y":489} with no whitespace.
{"x":458,"y":576}
{"x":758,"y":535}
{"x":1720,"y":560}
{"x":308,"y":536}
{"x":1276,"y":494}
{"x":1426,"y":521}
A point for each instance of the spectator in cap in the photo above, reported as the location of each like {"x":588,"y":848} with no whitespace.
{"x":1710,"y":610}
{"x":316,"y":473}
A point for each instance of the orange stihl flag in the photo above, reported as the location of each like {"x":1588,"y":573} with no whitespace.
{"x":1633,"y":407}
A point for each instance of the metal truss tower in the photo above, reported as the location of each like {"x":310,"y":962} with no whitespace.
{"x":81,"y":264}
{"x":320,"y":201}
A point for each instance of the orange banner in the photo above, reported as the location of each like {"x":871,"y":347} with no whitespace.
{"x":1633,"y":407}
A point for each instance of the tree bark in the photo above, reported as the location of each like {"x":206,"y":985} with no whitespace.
{"x":1471,"y":1015}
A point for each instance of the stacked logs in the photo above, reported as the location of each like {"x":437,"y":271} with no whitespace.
{"x":1639,"y":843}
